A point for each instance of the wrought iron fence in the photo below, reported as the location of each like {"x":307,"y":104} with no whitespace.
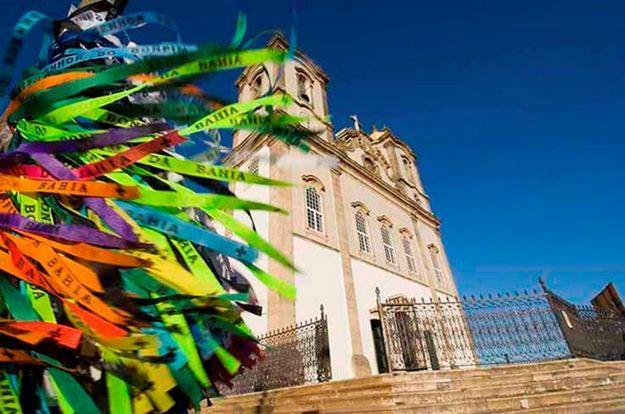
{"x":294,"y":355}
{"x":590,"y":332}
{"x":512,"y":328}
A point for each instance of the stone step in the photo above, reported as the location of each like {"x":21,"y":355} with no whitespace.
{"x":462,"y":391}
{"x":558,"y":397}
{"x":413,"y":384}
{"x":425,"y":376}
{"x":546,"y":401}
{"x":606,"y":406}
{"x":509,"y":378}
{"x":432,"y":380}
{"x":385,"y":398}
{"x":590,"y":401}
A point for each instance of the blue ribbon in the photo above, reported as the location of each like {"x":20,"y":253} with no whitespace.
{"x":176,"y":227}
{"x":120,"y":24}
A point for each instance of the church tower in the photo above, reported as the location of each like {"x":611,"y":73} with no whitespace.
{"x":360,"y":218}
{"x":300,"y":78}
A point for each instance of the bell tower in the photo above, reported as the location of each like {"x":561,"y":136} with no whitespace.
{"x":300,"y":78}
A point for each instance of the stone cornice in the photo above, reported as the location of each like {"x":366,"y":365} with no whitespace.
{"x":357,"y":170}
{"x":347,"y":165}
{"x":388,"y":135}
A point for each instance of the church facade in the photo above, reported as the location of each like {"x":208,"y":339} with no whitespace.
{"x":360,"y":218}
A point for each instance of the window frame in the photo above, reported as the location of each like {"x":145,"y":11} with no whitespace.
{"x":388,"y":245}
{"x":408,"y":169}
{"x":253,"y":165}
{"x":256,"y":86}
{"x":408,"y":253}
{"x":304,"y":88}
{"x":317,"y":224}
{"x":436,"y":266}
{"x":362,"y":235}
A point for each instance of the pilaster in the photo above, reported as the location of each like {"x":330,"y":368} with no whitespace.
{"x":425,"y":260}
{"x":360,"y":364}
{"x":280,"y":311}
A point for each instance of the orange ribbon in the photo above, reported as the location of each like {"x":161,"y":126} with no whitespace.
{"x":69,"y":187}
{"x":40,"y":85}
{"x":35,"y":332}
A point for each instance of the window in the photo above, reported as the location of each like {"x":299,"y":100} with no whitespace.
{"x":303,"y":88}
{"x":253,"y":166}
{"x":364,"y":243}
{"x":387,"y":241}
{"x":314,"y":216}
{"x":370,"y":166}
{"x":407,"y":168}
{"x":435,"y":264}
{"x":257,"y":86}
{"x":408,"y":252}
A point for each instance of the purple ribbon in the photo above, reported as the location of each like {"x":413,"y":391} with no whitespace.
{"x":105,"y":139}
{"x":41,"y":152}
{"x":71,"y":232}
{"x":98,"y":205}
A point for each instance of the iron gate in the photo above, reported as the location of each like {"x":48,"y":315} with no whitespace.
{"x":512,"y":328}
{"x":293,"y":355}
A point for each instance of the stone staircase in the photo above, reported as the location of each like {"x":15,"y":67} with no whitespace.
{"x":575,"y":386}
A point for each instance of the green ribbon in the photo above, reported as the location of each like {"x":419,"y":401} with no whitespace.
{"x":9,"y":401}
{"x":33,"y":208}
{"x":118,"y":395}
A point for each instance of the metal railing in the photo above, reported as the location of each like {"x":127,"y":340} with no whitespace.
{"x":590,"y":332}
{"x":294,"y":355}
{"x":512,"y":328}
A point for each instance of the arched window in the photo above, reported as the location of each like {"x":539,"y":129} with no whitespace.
{"x":253,"y":166}
{"x":257,"y":86}
{"x":304,"y":88}
{"x":387,"y":241}
{"x":314,"y":214}
{"x":364,"y":242}
{"x":407,"y":243}
{"x":407,"y":168}
{"x":435,"y":264}
{"x":370,"y":165}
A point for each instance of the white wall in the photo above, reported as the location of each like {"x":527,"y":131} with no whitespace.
{"x":366,"y":278}
{"x":322,"y":283}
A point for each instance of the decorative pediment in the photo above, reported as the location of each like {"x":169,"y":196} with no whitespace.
{"x":385,"y":220}
{"x":314,"y":181}
{"x":349,"y":140}
{"x":361,"y":206}
{"x":405,"y":232}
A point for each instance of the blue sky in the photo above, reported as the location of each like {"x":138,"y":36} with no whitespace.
{"x":515,"y":110}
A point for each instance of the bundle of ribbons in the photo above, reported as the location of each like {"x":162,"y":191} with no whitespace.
{"x":118,"y":291}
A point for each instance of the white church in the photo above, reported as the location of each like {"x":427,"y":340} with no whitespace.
{"x":360,"y":222}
